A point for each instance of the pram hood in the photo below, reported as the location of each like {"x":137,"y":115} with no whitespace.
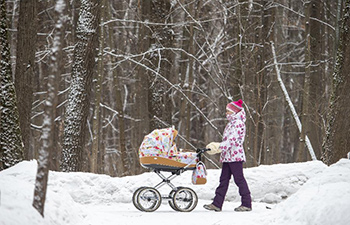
{"x":158,"y":149}
{"x":159,"y":142}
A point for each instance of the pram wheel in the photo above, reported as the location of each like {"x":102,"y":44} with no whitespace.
{"x":135,"y":196}
{"x":171,"y":195}
{"x":147,"y":199}
{"x":184,"y":200}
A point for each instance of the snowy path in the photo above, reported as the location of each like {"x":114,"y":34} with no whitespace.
{"x":127,"y":214}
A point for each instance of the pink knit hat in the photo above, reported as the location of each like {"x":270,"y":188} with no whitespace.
{"x":235,"y":106}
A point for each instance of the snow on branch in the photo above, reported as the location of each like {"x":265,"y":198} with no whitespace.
{"x":302,"y":15}
{"x":171,"y":85}
{"x":150,"y":51}
{"x":290,"y":103}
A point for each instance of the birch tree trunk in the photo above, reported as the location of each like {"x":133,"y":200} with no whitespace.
{"x":57,"y":64}
{"x":80,"y":89}
{"x":49,"y":130}
{"x":11,"y":146}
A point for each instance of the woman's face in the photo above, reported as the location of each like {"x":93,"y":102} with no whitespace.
{"x":228,"y":112}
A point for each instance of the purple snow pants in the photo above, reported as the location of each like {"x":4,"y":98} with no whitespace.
{"x":235,"y":169}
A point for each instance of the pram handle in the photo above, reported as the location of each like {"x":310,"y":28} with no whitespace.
{"x":201,"y":151}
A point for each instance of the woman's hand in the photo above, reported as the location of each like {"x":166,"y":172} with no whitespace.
{"x":214,"y":148}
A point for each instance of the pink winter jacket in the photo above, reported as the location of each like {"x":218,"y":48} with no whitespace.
{"x":232,"y":143}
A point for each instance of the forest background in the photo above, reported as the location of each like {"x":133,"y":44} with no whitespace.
{"x":82,"y":82}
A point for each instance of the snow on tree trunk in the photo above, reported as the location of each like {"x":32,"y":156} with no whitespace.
{"x":80,"y":88}
{"x":159,"y":101}
{"x":48,"y":127}
{"x":337,"y":140}
{"x":11,"y":146}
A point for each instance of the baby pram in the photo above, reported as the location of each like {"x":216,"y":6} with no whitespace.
{"x":158,"y":153}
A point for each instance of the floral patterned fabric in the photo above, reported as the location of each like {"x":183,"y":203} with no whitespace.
{"x":161,"y":143}
{"x":199,"y":175}
{"x":234,"y":134}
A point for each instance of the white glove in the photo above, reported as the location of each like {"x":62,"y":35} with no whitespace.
{"x":214,"y":146}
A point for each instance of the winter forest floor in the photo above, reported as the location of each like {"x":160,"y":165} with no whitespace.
{"x":309,"y":193}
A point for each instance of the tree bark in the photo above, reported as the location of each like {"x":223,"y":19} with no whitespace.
{"x":187,"y":76}
{"x":11,"y":145}
{"x":57,"y":63}
{"x":80,"y":89}
{"x":49,"y":130}
{"x":140,"y":108}
{"x":317,"y":79}
{"x":337,"y":141}
{"x":125,"y":167}
{"x":306,"y":90}
{"x":159,"y":101}
{"x":25,"y":68}
{"x":96,"y":120}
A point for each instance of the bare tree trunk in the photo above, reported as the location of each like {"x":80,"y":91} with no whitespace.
{"x":187,"y":76}
{"x":317,"y":78}
{"x":96,"y":120}
{"x":80,"y":88}
{"x":272,"y":134}
{"x":159,"y":102}
{"x":25,"y":67}
{"x":120,"y":110}
{"x":140,"y":108}
{"x":259,"y":132}
{"x":11,"y":145}
{"x":339,"y":4}
{"x":306,"y":90}
{"x":337,"y":140}
{"x":57,"y":69}
{"x":239,"y":62}
{"x":50,"y":112}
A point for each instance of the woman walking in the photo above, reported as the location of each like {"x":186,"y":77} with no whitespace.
{"x":232,"y":158}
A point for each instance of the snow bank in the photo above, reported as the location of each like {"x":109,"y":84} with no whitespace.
{"x":16,"y":195}
{"x":16,"y":198}
{"x":312,"y":192}
{"x":325,"y":199}
{"x":266,"y":182}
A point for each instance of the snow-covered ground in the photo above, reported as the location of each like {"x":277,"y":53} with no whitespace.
{"x":308,"y":193}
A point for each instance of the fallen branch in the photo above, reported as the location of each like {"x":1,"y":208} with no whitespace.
{"x":290,"y":104}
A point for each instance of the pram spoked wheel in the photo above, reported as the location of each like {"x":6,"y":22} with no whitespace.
{"x":147,"y":199}
{"x":135,"y":196}
{"x":183,"y":200}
